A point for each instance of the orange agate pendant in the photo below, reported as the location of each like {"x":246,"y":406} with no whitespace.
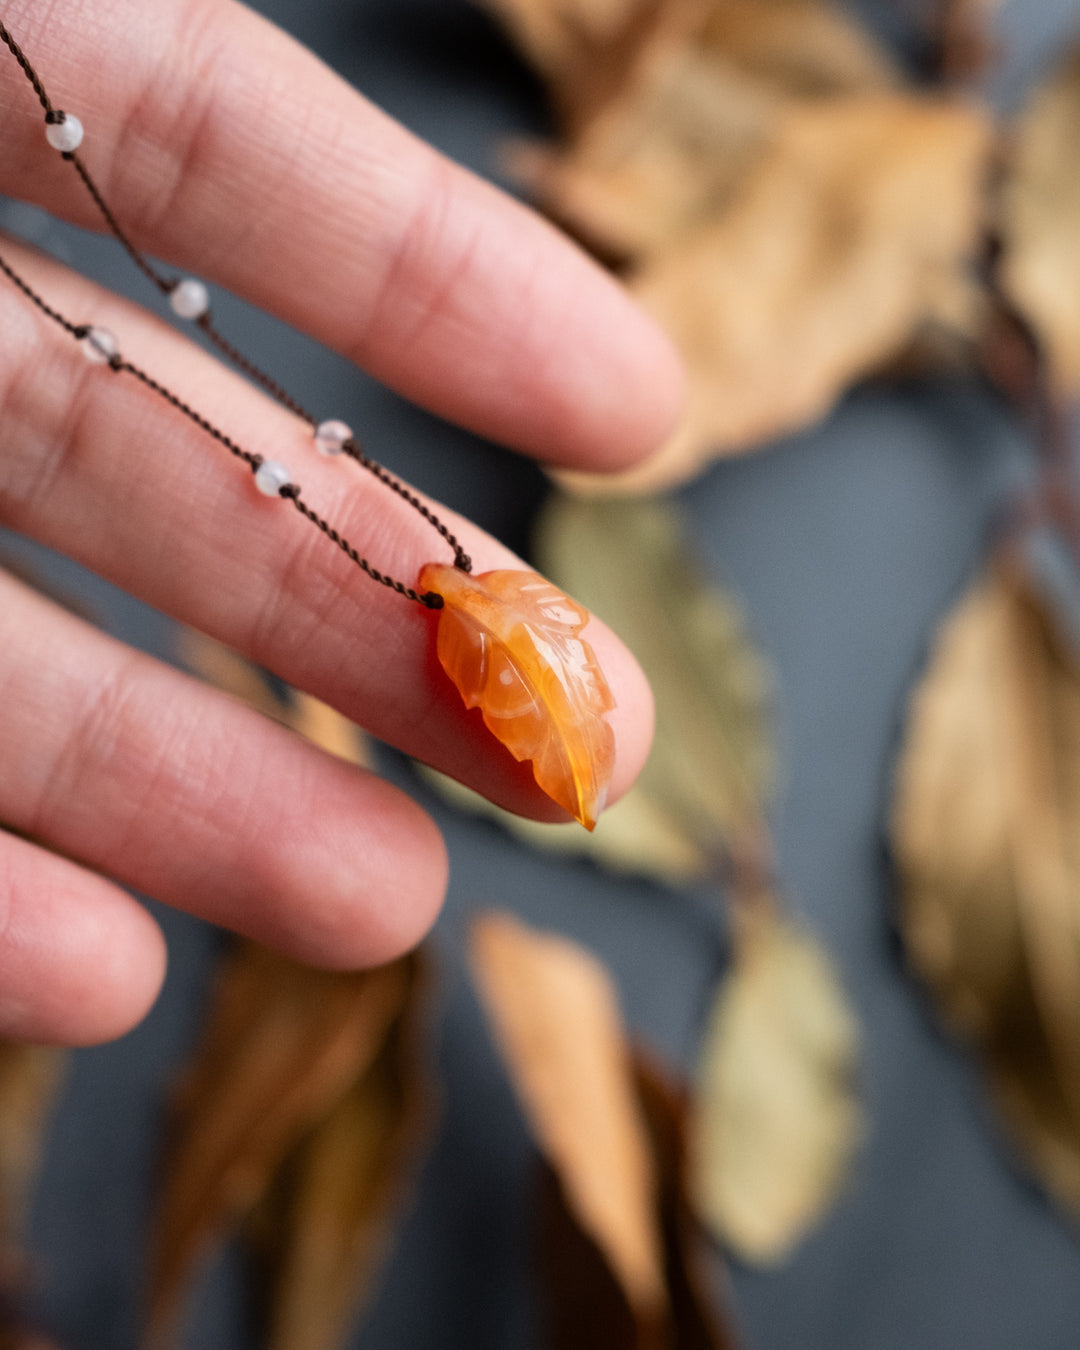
{"x":509,"y":641}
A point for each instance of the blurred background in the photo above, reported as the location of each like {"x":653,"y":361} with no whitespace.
{"x":844,"y":545}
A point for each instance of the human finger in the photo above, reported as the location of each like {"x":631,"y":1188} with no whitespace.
{"x":97,"y":466}
{"x":229,"y":149}
{"x":80,"y":961}
{"x":152,"y":778}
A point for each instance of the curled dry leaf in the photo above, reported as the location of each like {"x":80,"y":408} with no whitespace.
{"x":839,"y":244}
{"x":623,"y":1260}
{"x":777,"y":1118}
{"x":287,"y":1053}
{"x":583,"y":1304}
{"x":1040,"y":226}
{"x":986,"y":831}
{"x":700,"y":96}
{"x":556,"y":1019}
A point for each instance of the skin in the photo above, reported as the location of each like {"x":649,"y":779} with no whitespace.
{"x":228,"y":150}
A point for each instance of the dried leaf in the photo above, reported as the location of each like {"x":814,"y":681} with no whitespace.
{"x":1041,"y":222}
{"x":583,"y":1304}
{"x":283,"y":1048}
{"x":30,"y":1077}
{"x":326,"y":1226}
{"x":965,"y":39}
{"x":696,"y":99}
{"x":696,"y":1314}
{"x":822,"y":268}
{"x":634,"y":836}
{"x":711,"y":766}
{"x":557,"y":1022}
{"x":777,"y":1117}
{"x":510,"y":643}
{"x":986,"y":830}
{"x":585,"y":50}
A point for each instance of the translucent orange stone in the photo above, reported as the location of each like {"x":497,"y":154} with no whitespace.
{"x":509,"y":641}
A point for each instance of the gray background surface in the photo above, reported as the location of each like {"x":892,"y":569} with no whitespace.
{"x":845,"y":544}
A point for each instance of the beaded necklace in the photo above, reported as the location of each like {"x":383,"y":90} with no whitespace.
{"x":509,"y":640}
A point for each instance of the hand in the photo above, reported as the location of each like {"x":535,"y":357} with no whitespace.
{"x":228,"y":150}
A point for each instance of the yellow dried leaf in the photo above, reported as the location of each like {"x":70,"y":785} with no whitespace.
{"x":1041,"y":222}
{"x":556,"y":1019}
{"x":327,"y":728}
{"x":634,"y":836}
{"x":712,"y":761}
{"x":777,"y":1117}
{"x":986,"y":831}
{"x":822,"y":268}
{"x":284,"y":1045}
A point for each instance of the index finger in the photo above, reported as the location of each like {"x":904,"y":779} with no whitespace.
{"x":229,"y":149}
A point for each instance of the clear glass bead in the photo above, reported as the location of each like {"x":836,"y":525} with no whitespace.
{"x":271,"y":476}
{"x":189,"y":299}
{"x":99,"y":346}
{"x":65,"y":136}
{"x":330,"y":437}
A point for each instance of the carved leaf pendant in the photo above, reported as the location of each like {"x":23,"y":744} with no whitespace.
{"x":509,"y":641}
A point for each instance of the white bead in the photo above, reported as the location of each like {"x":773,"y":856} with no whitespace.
{"x":65,"y":136}
{"x":330,"y":437}
{"x":189,"y":299}
{"x":99,"y":346}
{"x":271,"y":476}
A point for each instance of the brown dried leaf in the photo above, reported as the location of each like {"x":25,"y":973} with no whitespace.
{"x":698,"y":99}
{"x":327,"y":1226}
{"x":30,"y":1077}
{"x":840,"y":239}
{"x":585,"y":50}
{"x":584,"y":1306}
{"x":1041,"y":222}
{"x":965,"y":39}
{"x":556,"y":1020}
{"x":986,"y":830}
{"x":283,"y":1047}
{"x":777,"y":1118}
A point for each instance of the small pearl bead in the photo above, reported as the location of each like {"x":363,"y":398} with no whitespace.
{"x":331,"y":436}
{"x":189,"y":299}
{"x":99,"y":346}
{"x":271,"y":476}
{"x":65,"y":136}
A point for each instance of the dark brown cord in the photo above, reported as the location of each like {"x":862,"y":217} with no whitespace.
{"x":27,"y":69}
{"x":166,"y":285}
